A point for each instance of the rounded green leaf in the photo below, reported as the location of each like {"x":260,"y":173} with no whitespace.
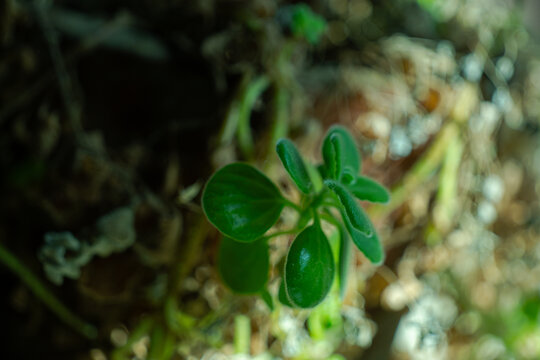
{"x":338,"y":137}
{"x":353,"y":211}
{"x":364,"y":188}
{"x":244,"y":266}
{"x":293,"y":163}
{"x":309,"y":268}
{"x":241,"y":202}
{"x":369,"y":245}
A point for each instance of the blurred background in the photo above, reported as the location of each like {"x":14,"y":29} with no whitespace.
{"x":113,"y":114}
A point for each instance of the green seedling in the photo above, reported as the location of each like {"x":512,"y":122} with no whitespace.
{"x":243,"y":204}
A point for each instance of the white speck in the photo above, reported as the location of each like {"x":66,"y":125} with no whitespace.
{"x":417,"y":130}
{"x":490,"y":348}
{"x":493,"y":188}
{"x":380,"y":125}
{"x":486,"y":212}
{"x":473,"y":67}
{"x":400,"y":144}
{"x":505,"y":66}
{"x":486,"y":119}
{"x":503,"y":99}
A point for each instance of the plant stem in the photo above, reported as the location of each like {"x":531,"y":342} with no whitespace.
{"x":316,"y":219}
{"x":45,"y":295}
{"x":253,"y":91}
{"x":290,"y":204}
{"x":230,"y":124}
{"x":279,"y":233}
{"x":280,"y":116}
{"x":242,"y":334}
{"x":421,"y":171}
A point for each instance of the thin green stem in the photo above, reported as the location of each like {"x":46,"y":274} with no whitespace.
{"x":253,"y":91}
{"x":280,"y":115}
{"x":290,"y":204}
{"x":331,"y":204}
{"x":284,"y":232}
{"x":230,"y":124}
{"x":332,"y":220}
{"x":242,"y":334}
{"x":316,"y":219}
{"x":45,"y":295}
{"x":422,"y":170}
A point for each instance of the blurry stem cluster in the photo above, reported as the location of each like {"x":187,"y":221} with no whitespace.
{"x":45,"y":295}
{"x":237,"y":122}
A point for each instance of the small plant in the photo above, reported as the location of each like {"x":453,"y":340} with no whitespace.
{"x":243,"y":204}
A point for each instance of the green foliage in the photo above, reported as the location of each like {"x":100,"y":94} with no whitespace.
{"x":242,"y":203}
{"x":369,"y":245}
{"x":244,"y":266}
{"x":293,"y":163}
{"x":354,"y":213}
{"x":364,"y":188}
{"x":340,"y":153}
{"x":307,"y":24}
{"x":309,"y":268}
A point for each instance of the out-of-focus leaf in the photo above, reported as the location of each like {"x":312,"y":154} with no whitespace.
{"x":244,"y":266}
{"x":303,"y":22}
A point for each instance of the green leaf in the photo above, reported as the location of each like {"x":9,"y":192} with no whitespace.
{"x":354,"y":212}
{"x":242,"y":202}
{"x":293,"y":163}
{"x":338,"y":139}
{"x":333,"y":156}
{"x":244,"y":266}
{"x":367,"y":189}
{"x":369,"y":245}
{"x":309,"y":268}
